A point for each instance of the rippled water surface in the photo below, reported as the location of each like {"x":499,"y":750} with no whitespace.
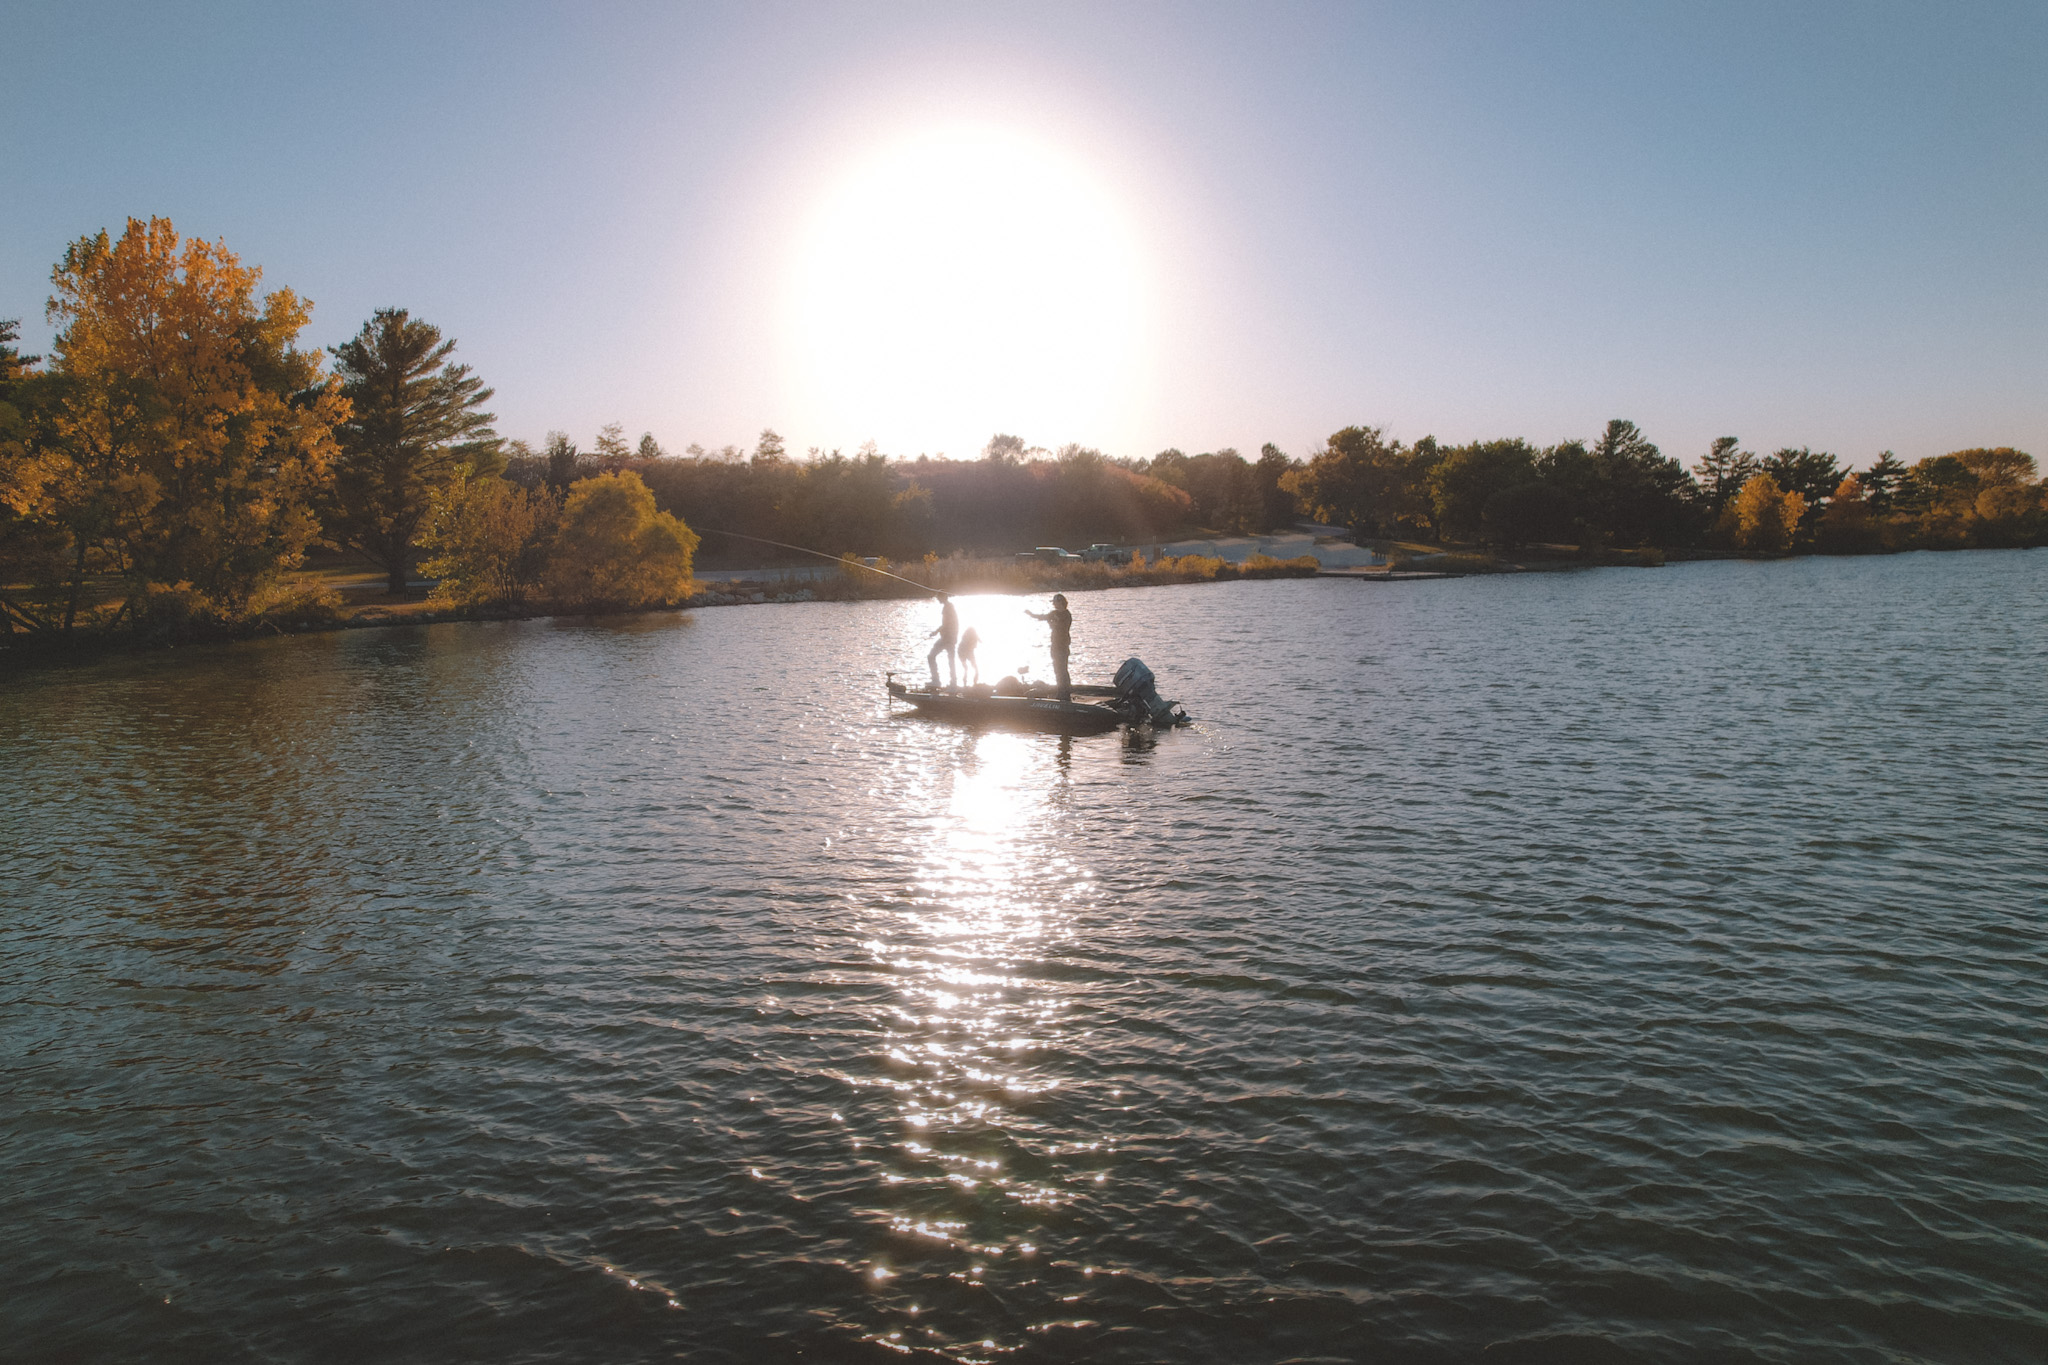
{"x":1625,"y":965}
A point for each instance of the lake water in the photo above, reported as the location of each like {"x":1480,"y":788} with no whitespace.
{"x":1619,"y":965}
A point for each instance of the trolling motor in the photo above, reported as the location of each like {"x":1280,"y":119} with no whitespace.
{"x":1135,"y":689}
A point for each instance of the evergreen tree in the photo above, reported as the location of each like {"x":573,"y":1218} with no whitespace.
{"x":564,"y":462}
{"x":1276,"y":504}
{"x":416,"y":428}
{"x":1882,"y":481}
{"x":1638,"y":496}
{"x":1722,"y":472}
{"x":1812,"y":474}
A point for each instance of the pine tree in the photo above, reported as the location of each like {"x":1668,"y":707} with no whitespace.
{"x":1722,"y":472}
{"x":1881,"y":482}
{"x":416,"y":429}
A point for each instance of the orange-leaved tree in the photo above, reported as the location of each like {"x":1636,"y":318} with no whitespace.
{"x":615,"y":549}
{"x":1764,"y":516}
{"x":194,"y":431}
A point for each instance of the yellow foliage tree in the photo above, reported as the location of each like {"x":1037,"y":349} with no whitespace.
{"x":1764,"y":517}
{"x":616,"y":549}
{"x":193,"y":431}
{"x":487,"y":540}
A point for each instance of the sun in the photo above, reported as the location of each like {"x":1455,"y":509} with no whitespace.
{"x":964,"y":281}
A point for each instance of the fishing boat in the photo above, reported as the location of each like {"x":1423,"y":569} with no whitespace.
{"x":1012,"y":705}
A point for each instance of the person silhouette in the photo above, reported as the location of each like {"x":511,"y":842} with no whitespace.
{"x":1062,"y":622}
{"x":970,"y":639}
{"x":949,"y":638}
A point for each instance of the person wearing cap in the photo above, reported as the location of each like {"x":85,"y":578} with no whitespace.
{"x":949,"y":637}
{"x":1062,"y":622}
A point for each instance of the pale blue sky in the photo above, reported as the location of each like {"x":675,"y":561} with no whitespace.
{"x":1819,"y":225}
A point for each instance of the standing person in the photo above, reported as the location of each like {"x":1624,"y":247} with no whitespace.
{"x":949,"y":638}
{"x":1062,"y":622}
{"x":970,"y":639}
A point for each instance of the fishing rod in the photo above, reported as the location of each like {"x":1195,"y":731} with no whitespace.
{"x":763,"y":540}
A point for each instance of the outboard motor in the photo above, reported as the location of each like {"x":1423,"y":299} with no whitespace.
{"x":1135,"y":688}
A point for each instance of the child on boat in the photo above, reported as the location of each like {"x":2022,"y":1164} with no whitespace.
{"x":968,"y":663}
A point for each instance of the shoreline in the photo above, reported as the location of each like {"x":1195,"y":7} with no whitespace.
{"x":22,"y":651}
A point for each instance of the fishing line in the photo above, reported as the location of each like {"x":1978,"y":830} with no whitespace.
{"x":843,"y":563}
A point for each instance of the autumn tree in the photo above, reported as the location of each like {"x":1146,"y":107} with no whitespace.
{"x":32,"y":543}
{"x":15,"y":368}
{"x":415,"y":428}
{"x":194,"y":432}
{"x":615,"y":549}
{"x":1763,"y":517}
{"x":487,"y":540}
{"x":2008,"y":507}
{"x":2000,"y":466}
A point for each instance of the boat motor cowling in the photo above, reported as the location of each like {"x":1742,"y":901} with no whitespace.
{"x":1135,"y":685}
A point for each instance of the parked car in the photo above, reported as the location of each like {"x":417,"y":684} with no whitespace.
{"x":1050,"y":554}
{"x":1100,"y":553}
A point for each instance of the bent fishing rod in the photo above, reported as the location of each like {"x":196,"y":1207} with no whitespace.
{"x":784,"y":545}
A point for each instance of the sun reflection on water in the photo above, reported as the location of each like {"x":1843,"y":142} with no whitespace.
{"x":977,"y":1044}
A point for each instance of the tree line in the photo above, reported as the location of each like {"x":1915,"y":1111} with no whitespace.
{"x":1013,"y":496}
{"x":1621,"y":491}
{"x":180,"y":451}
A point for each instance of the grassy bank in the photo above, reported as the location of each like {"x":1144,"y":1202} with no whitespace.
{"x":328,"y":598}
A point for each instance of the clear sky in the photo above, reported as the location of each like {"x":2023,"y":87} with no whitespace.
{"x":1127,"y":225}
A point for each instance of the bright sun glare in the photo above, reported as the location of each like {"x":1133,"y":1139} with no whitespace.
{"x":962,"y":282}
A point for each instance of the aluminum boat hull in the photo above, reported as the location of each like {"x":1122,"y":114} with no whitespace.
{"x":1046,"y":714}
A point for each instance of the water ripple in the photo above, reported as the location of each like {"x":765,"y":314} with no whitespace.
{"x":1605,"y":966}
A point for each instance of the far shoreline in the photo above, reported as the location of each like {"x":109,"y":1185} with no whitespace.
{"x":20,"y":652}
